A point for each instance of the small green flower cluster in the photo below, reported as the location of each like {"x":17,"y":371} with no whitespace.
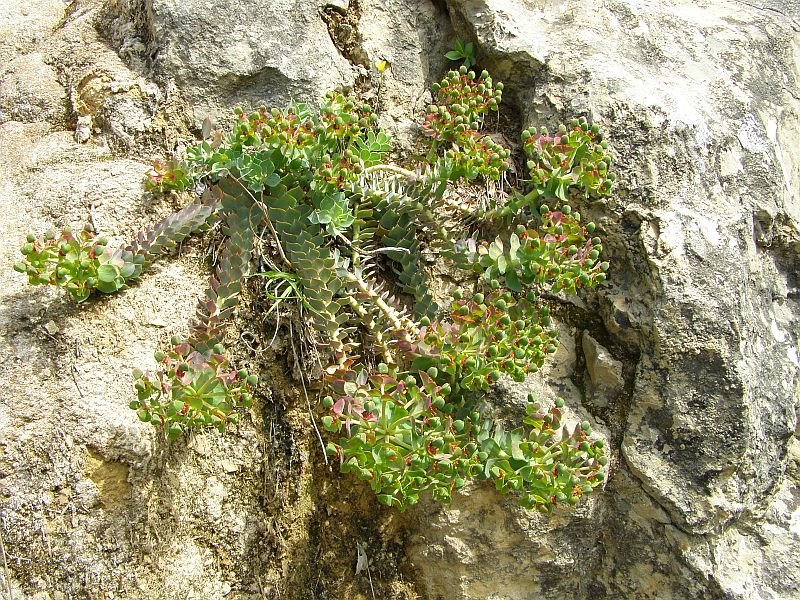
{"x":560,"y":254}
{"x":545,"y":462}
{"x":573,"y":157}
{"x":78,"y":262}
{"x":400,"y":436}
{"x":191,"y":390}
{"x":331,"y":148}
{"x":408,"y":434}
{"x":454,"y":124}
{"x":485,"y":337}
{"x":167,"y":175}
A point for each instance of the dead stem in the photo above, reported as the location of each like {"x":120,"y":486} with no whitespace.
{"x":305,"y":392}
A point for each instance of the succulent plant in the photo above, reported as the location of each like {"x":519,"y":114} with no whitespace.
{"x":334,"y":213}
{"x":575,"y":157}
{"x":352,"y":235}
{"x":191,"y":389}
{"x":455,"y":122}
{"x":70,"y":260}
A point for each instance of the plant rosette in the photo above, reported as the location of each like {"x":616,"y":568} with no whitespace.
{"x":191,"y":389}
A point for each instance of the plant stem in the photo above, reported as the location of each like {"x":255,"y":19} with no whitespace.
{"x":391,"y":169}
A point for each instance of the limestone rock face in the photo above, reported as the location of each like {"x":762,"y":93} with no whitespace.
{"x":412,"y":36}
{"x":605,"y":372}
{"x":31,"y":92}
{"x":704,"y":297}
{"x":224,"y":53}
{"x":685,"y":361}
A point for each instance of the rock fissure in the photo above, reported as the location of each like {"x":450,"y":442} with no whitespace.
{"x":791,"y":19}
{"x":343,"y":21}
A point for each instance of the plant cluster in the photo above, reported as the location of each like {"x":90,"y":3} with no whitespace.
{"x":69,"y":260}
{"x":454,"y":124}
{"x":192,"y":389}
{"x":348,"y":234}
{"x":80,"y":262}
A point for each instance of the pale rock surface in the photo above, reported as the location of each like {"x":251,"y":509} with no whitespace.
{"x":24,"y":24}
{"x":700,"y":100}
{"x":604,"y":370}
{"x":223,"y":53}
{"x":412,"y":36}
{"x":698,"y":322}
{"x":30,"y":91}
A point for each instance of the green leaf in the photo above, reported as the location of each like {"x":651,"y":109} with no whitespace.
{"x":387,"y":499}
{"x":273,"y":180}
{"x":128,"y":269}
{"x":512,"y":281}
{"x":319,"y":217}
{"x":423,"y":363}
{"x":454,"y":55}
{"x":107,"y":287}
{"x":516,"y":437}
{"x":107,"y":273}
{"x":579,"y":153}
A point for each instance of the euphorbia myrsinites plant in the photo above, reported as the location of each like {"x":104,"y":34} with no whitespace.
{"x":350,"y":238}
